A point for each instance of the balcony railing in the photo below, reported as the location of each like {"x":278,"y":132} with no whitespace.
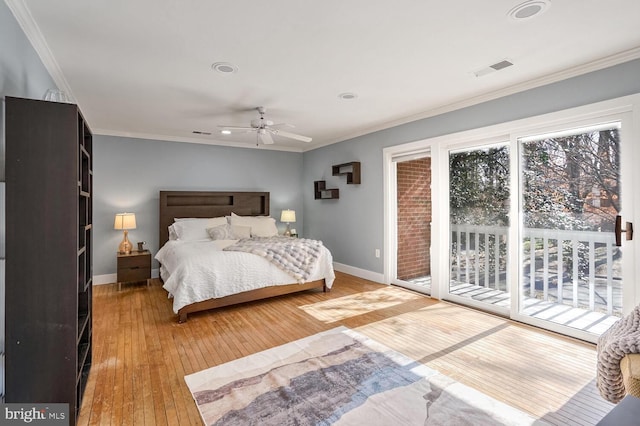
{"x":581,"y":269}
{"x":478,"y":256}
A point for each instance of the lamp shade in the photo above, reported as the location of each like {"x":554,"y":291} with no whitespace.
{"x":125,"y":221}
{"x":288,"y":216}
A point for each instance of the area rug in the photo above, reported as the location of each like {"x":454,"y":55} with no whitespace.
{"x":340,"y":377}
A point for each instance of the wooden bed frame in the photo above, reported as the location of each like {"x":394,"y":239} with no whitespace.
{"x":203,"y":204}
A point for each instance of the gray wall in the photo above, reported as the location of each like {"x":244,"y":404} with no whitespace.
{"x":129,"y":173}
{"x":352,"y":227}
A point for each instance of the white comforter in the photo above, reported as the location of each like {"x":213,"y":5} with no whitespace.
{"x":194,"y":271}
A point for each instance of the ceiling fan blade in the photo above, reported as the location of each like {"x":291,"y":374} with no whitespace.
{"x":265,"y":137}
{"x":291,"y":135}
{"x":236,"y":128}
{"x":291,"y":126}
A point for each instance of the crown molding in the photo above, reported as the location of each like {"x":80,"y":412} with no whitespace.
{"x":29,"y":26}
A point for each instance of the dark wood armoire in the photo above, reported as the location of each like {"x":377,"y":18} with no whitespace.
{"x":48,"y":252}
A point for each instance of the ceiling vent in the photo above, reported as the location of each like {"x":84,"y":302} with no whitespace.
{"x":492,"y":68}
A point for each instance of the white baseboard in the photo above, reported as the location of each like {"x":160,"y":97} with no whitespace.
{"x":104,"y":279}
{"x":361,"y":273}
{"x":112,"y":278}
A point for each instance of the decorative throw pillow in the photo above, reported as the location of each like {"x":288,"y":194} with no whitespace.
{"x":229,"y":232}
{"x":261,"y":226}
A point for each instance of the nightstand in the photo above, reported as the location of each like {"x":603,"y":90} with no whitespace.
{"x":134,"y":267}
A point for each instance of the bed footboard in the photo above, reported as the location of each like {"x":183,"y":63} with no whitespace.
{"x":249,"y":296}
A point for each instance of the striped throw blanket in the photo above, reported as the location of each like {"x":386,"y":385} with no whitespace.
{"x":621,"y":339}
{"x":295,"y":256}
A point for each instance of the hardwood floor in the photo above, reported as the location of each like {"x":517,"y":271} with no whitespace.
{"x":141,"y":353}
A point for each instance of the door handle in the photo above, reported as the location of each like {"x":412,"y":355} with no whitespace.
{"x":628,"y":230}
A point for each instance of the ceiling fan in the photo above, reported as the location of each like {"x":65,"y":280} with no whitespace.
{"x":264,"y":129}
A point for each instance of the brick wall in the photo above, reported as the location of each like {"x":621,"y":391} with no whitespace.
{"x":414,"y":218}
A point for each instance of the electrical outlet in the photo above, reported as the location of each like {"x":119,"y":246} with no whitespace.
{"x":377,"y":253}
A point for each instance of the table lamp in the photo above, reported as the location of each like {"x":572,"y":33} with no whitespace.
{"x":125,"y":221}
{"x":288,"y":216}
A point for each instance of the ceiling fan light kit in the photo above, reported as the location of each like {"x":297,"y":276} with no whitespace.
{"x":264,"y":129}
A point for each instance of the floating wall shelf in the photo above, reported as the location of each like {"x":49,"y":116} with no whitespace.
{"x":350,"y":170}
{"x":322,"y":193}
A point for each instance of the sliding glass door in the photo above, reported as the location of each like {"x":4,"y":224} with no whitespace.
{"x":479,"y":194}
{"x":571,"y":268}
{"x":528,"y":219}
{"x":533,"y":237}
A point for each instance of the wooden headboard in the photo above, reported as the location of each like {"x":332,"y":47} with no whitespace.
{"x":208,"y":204}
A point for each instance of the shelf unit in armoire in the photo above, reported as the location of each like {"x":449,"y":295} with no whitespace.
{"x":49,"y":188}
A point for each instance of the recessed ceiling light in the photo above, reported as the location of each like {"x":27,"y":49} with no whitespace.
{"x":347,"y":96}
{"x":225,"y":132}
{"x":224,"y":67}
{"x":528,"y":9}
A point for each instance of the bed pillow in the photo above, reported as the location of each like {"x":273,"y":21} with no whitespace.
{"x":241,"y":231}
{"x":196,"y":229}
{"x":229,"y":232}
{"x":172,"y":233}
{"x":261,"y":226}
{"x":214,"y":221}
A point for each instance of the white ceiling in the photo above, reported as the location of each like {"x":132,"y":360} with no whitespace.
{"x":142,"y":68}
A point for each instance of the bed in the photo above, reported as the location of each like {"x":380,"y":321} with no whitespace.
{"x":201,"y":274}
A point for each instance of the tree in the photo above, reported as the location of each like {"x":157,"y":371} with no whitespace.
{"x":479,"y":187}
{"x":571,"y":182}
